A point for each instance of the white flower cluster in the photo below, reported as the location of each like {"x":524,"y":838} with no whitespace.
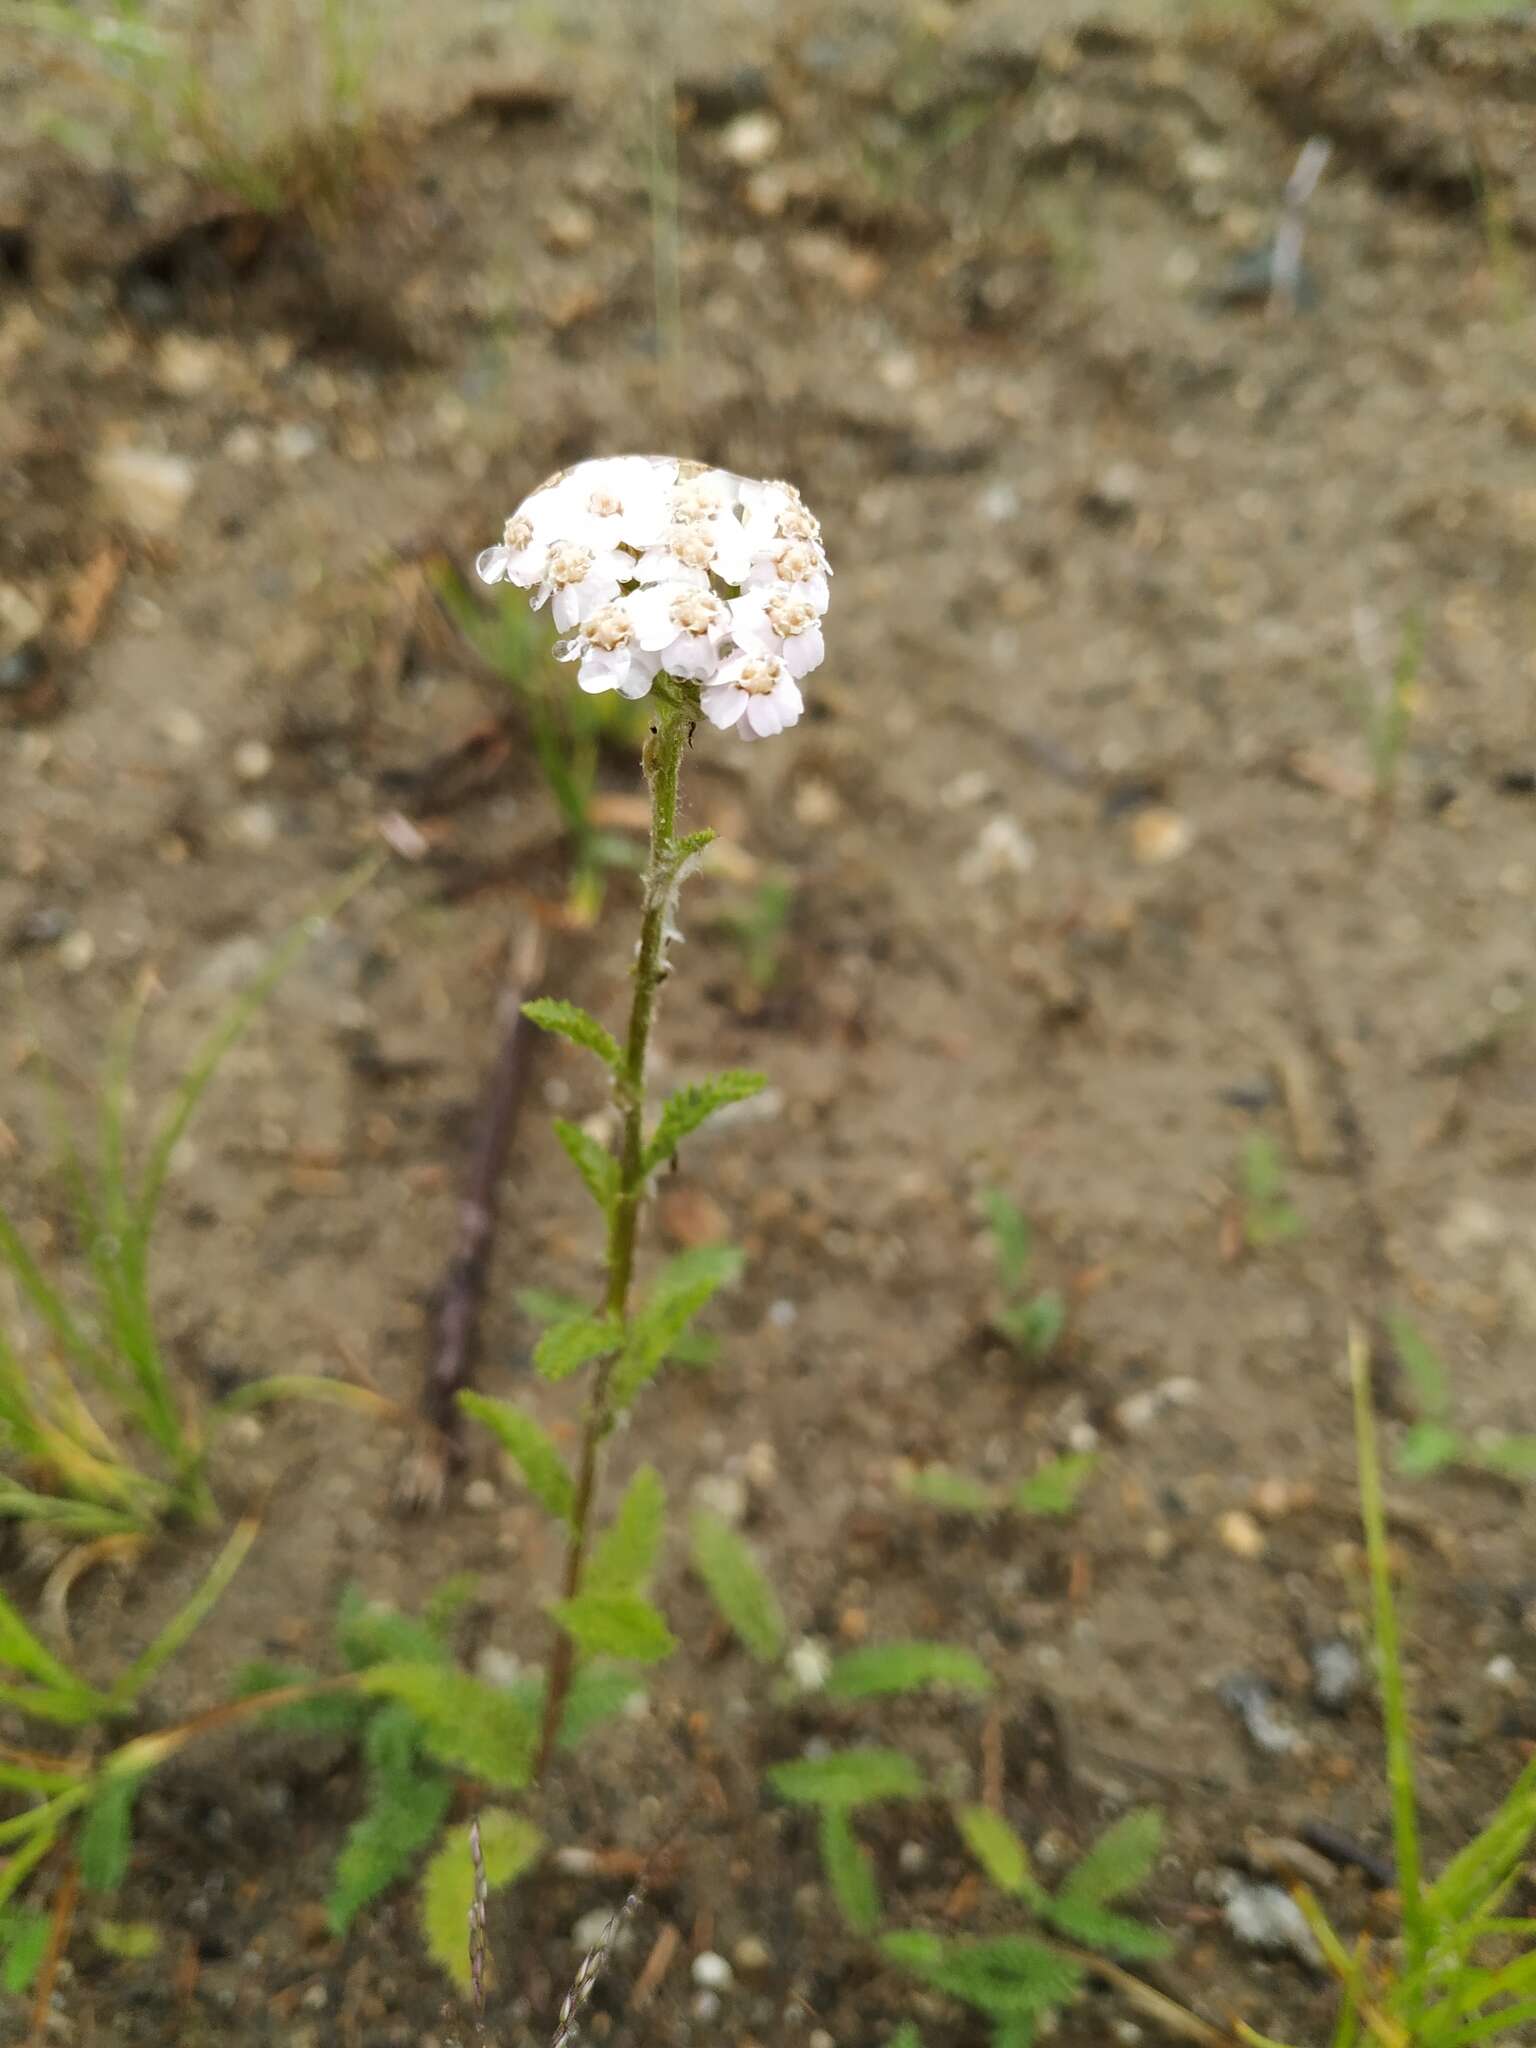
{"x":653,"y":565}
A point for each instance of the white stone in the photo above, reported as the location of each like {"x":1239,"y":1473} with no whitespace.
{"x":713,"y":1971}
{"x":144,"y":488}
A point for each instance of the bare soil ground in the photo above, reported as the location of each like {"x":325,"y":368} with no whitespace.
{"x":1088,"y":888}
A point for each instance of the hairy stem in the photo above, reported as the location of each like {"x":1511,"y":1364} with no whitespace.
{"x":663,"y":761}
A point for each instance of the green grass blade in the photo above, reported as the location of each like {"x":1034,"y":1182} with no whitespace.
{"x":20,"y":1866}
{"x":1389,"y":1666}
{"x":70,"y":1517}
{"x":190,"y":1617}
{"x":46,"y":1816}
{"x":1475,"y":1874}
{"x":21,"y":1651}
{"x":1497,"y":2026}
{"x":50,"y":1307}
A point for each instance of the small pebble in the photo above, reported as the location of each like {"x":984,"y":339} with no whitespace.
{"x":1265,"y":1917}
{"x":181,"y":727}
{"x":783,"y":1315}
{"x":752,"y":1954}
{"x":295,"y":442}
{"x":144,"y":488}
{"x":1252,"y":1701}
{"x":706,"y":2005}
{"x":76,"y":952}
{"x":819,"y":2038}
{"x":713,"y":1971}
{"x":498,"y":1667}
{"x":1002,"y":848}
{"x":255,"y":825}
{"x":1280,"y":1856}
{"x":1241,"y":1534}
{"x":752,"y":138}
{"x":724,"y":1495}
{"x":480,"y":1494}
{"x":1337,"y":1674}
{"x":760,"y":1467}
{"x":1159,"y":835}
{"x":569,"y":229}
{"x":252,"y":761}
{"x":809,"y":1664}
{"x":244,"y":445}
{"x":912,"y":1859}
{"x":1498,"y":1670}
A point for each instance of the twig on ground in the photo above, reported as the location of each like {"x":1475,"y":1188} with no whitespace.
{"x":461,"y":1293}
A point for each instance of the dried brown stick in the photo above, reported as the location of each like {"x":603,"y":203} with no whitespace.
{"x":460,"y":1295}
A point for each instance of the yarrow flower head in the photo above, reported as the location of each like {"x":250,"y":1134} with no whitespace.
{"x":660,"y":568}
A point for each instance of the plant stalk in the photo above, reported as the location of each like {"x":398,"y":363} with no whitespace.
{"x":663,"y":762}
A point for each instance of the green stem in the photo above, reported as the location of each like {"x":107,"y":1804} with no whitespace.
{"x":663,"y":761}
{"x":1389,"y":1663}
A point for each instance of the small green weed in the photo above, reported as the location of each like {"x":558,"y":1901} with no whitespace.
{"x":1032,"y":1323}
{"x":1011,"y":1979}
{"x":1053,"y":1490}
{"x":1461,"y":1969}
{"x":1269,"y":1216}
{"x":294,"y":129}
{"x":82,"y":1804}
{"x":95,"y":1438}
{"x":1433,"y":1441}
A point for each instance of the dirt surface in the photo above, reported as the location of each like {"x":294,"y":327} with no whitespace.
{"x":1088,"y":888}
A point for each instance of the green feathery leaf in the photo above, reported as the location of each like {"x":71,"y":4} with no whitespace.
{"x":850,"y":1871}
{"x":1055,"y":1488}
{"x":906,"y":1667}
{"x":625,"y":1554}
{"x":568,"y":1020}
{"x":997,"y":1849}
{"x":615,"y":1625}
{"x":848,"y":1778}
{"x":597,"y":1167}
{"x":740,"y":1587}
{"x":509,"y":1845}
{"x":1122,"y":1858}
{"x":684,"y":1111}
{"x":531,"y":1450}
{"x":462,"y":1721}
{"x":567,"y":1346}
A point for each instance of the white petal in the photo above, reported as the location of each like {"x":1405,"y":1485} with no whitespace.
{"x":763,"y":715}
{"x":723,"y":707}
{"x":788,"y":702}
{"x":566,"y":609}
{"x":803,"y":651}
{"x":733,"y":551}
{"x":650,"y":614}
{"x":692,"y":658}
{"x":639,"y":676}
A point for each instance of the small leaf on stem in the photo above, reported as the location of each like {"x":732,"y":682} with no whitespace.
{"x":569,"y":1020}
{"x":599,"y":1169}
{"x":530,"y":1449}
{"x":615,"y":1625}
{"x":684,"y":1111}
{"x":741,"y":1589}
